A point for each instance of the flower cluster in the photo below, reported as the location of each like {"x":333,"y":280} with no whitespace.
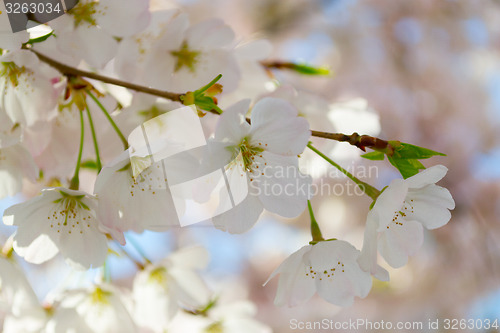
{"x":97,"y":156}
{"x":164,"y":296}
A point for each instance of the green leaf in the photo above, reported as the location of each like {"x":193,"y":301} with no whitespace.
{"x":407,"y":151}
{"x":407,"y":167}
{"x":374,"y":156}
{"x":310,"y":70}
{"x":40,"y":39}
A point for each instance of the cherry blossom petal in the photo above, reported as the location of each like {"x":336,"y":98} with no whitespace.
{"x":190,"y":289}
{"x":240,"y":218}
{"x":430,"y":206}
{"x":211,"y":34}
{"x":85,"y":252}
{"x":123,"y":18}
{"x":275,"y":123}
{"x":294,"y":287}
{"x":195,"y":257}
{"x":281,"y":187}
{"x":389,"y":202}
{"x":232,"y":125}
{"x":88,"y":43}
{"x":400,"y":241}
{"x":368,"y":258}
{"x":428,"y":176}
{"x":337,"y":275}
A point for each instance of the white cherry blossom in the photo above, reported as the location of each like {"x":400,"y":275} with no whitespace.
{"x":99,"y":309}
{"x":28,"y":89}
{"x":18,"y":300}
{"x":87,"y":31}
{"x":174,"y":56}
{"x":160,"y":290}
{"x":329,"y":268}
{"x":269,"y":149}
{"x":236,"y":317}
{"x":133,"y":203}
{"x":59,"y":220}
{"x":395,"y":224}
{"x":16,"y":164}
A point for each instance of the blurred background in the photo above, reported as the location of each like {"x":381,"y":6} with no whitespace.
{"x":431,"y":71}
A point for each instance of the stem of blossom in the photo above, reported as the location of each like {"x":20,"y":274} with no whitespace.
{"x":207,"y":86}
{"x":137,"y":263}
{"x":369,"y":190}
{"x":106,"y":272}
{"x":111,"y":121}
{"x":75,"y":181}
{"x":315,"y":230}
{"x":138,"y":249}
{"x":94,"y":139}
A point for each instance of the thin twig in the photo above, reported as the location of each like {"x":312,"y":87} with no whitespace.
{"x":360,"y":141}
{"x":68,"y":70}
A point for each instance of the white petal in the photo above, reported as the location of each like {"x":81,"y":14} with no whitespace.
{"x":232,"y":125}
{"x":428,"y":176}
{"x":241,"y":218}
{"x":400,"y":241}
{"x":124,"y":18}
{"x":294,"y":286}
{"x":195,"y":257}
{"x":35,"y":251}
{"x":275,"y":123}
{"x":85,"y":250}
{"x":338,"y":276}
{"x":390,"y":202}
{"x":155,"y":303}
{"x":189,"y":288}
{"x":89,"y":43}
{"x":281,"y":187}
{"x":211,"y":34}
{"x":430,"y":206}
{"x":368,"y":258}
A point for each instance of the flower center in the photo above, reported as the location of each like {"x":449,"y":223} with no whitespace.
{"x":158,"y":275}
{"x":84,"y":12}
{"x":12,"y":72}
{"x":399,"y":216}
{"x":215,"y":328}
{"x":149,"y":179}
{"x":248,"y":153}
{"x":71,"y":215}
{"x":185,"y":57}
{"x":99,"y":296}
{"x":327,"y":273}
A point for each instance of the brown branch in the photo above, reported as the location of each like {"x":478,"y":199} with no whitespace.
{"x":360,"y":141}
{"x":68,"y":70}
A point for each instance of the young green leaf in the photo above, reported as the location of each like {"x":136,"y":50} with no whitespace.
{"x":310,"y":70}
{"x":407,"y":151}
{"x":374,"y":156}
{"x":407,"y":167}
